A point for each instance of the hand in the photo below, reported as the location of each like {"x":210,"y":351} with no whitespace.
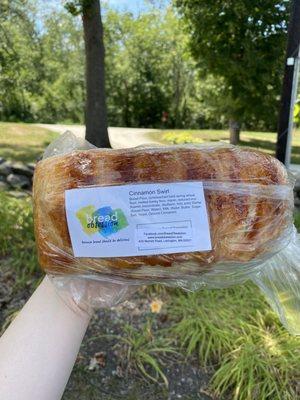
{"x":84,"y":295}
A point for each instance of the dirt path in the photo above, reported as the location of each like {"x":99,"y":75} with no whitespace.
{"x":120,"y":138}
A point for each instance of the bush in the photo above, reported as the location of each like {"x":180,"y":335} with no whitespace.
{"x":17,"y":246}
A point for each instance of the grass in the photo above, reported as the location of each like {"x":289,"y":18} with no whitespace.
{"x":232,"y":330}
{"x":23,"y":142}
{"x":144,"y":351}
{"x":264,"y":141}
{"x":263,"y":364}
{"x":17,"y":245}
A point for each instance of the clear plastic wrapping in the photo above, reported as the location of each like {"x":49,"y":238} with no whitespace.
{"x":248,"y":205}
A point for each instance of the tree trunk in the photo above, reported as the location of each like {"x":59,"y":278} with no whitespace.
{"x":177,"y":97}
{"x":126,"y":112}
{"x":95,"y":112}
{"x":283,"y":145}
{"x":235,"y":129}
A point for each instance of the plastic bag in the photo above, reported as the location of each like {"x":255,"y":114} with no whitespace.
{"x":206,"y":216}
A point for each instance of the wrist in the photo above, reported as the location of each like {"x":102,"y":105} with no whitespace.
{"x":65,"y":296}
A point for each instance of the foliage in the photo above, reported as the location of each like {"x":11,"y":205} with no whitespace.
{"x":297,"y":113}
{"x":200,"y":329}
{"x":242,"y":41}
{"x":20,"y":60}
{"x":76,"y":7}
{"x":190,"y":137}
{"x":17,"y":239}
{"x":41,"y":69}
{"x":151,"y":79}
{"x":63,"y":81}
{"x":144,"y":351}
{"x":234,"y":329}
{"x":262,"y":365}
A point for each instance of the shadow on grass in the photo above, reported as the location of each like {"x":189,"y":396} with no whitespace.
{"x":270,"y":147}
{"x":258,"y":144}
{"x":16,"y":152}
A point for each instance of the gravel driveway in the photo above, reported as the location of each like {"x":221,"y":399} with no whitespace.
{"x":120,"y":138}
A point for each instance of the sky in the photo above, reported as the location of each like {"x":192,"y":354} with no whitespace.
{"x":136,"y":6}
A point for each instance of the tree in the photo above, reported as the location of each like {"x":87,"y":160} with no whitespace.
{"x":153,"y":80}
{"x":242,"y":41}
{"x":63,"y":82}
{"x":95,"y":112}
{"x":20,"y":60}
{"x":153,"y":74}
{"x":42,"y":70}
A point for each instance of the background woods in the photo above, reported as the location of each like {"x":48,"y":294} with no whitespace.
{"x":192,"y":69}
{"x":160,"y":71}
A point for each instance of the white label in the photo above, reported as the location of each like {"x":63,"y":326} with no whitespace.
{"x":136,"y":220}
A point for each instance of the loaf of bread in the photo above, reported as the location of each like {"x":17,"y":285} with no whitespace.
{"x":247,"y":193}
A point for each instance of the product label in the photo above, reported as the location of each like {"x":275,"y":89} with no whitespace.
{"x":137,"y":219}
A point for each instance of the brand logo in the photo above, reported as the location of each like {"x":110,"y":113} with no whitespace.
{"x":105,"y":220}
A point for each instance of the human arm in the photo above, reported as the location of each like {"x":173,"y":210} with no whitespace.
{"x":39,"y":349}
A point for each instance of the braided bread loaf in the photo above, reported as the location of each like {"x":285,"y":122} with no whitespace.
{"x":248,"y":206}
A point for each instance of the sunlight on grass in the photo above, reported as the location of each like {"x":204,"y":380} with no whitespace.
{"x":264,"y":364}
{"x":209,"y":320}
{"x":264,"y":141}
{"x":291,"y":308}
{"x":23,"y":142}
{"x":236,"y":330}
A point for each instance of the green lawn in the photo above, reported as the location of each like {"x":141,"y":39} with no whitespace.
{"x":232,"y":332}
{"x":26,"y":142}
{"x":23,"y":142}
{"x":264,"y":141}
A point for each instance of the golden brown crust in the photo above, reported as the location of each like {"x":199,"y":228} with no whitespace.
{"x":242,"y":225}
